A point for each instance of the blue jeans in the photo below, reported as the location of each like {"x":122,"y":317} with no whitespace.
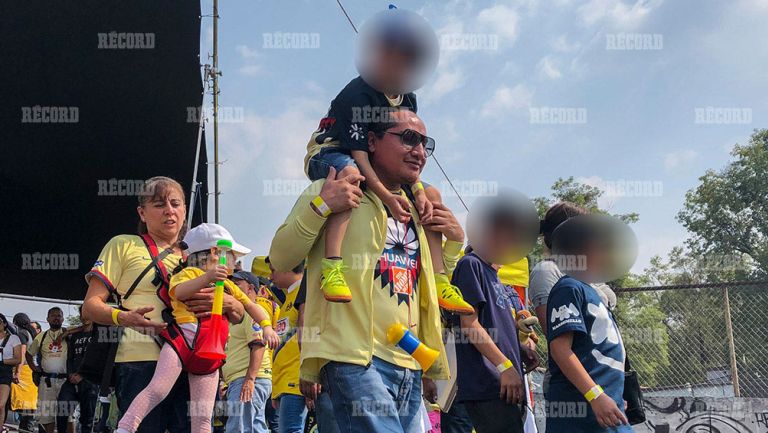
{"x":292,"y":414}
{"x":172,"y":414}
{"x":86,"y":395}
{"x":320,"y":164}
{"x":326,"y":419}
{"x":270,"y":414}
{"x":379,"y":397}
{"x":456,"y":420}
{"x":248,"y":417}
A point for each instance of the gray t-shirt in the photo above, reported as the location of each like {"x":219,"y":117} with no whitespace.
{"x":544,"y":276}
{"x":7,"y":349}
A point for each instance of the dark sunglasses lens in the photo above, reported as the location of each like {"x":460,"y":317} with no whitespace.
{"x":429,"y":147}
{"x":412,"y":138}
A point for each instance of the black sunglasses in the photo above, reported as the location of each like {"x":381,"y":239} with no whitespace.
{"x":411,"y":139}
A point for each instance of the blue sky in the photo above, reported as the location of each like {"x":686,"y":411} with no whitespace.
{"x":640,"y":104}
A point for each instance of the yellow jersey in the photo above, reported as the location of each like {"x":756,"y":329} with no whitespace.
{"x":121,"y":261}
{"x":285,"y":362}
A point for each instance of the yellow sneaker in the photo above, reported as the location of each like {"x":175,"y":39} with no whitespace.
{"x":332,"y":282}
{"x":449,"y":297}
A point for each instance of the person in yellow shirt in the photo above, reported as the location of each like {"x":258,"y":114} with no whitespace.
{"x":345,"y":346}
{"x":286,"y":394}
{"x":201,"y":271}
{"x":248,"y":370}
{"x":118,"y":274}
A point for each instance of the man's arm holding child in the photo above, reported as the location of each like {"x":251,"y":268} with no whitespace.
{"x":296,"y":236}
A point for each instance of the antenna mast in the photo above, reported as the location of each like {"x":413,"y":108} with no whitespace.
{"x":215,"y":77}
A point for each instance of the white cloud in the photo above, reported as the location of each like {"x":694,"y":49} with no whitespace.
{"x":561,"y":44}
{"x":249,"y":55}
{"x":276,"y":143}
{"x":501,"y":20}
{"x":446,"y":82}
{"x":506,"y":99}
{"x":548,"y":68}
{"x":443,"y":130}
{"x":314,"y":87}
{"x":617,"y":13}
{"x":246,"y":52}
{"x":760,"y":6}
{"x":264,"y":169}
{"x":249,"y":70}
{"x":678,"y":159}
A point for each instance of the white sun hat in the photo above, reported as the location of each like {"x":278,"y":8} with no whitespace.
{"x":206,"y":235}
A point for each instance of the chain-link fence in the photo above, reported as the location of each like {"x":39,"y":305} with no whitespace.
{"x":708,"y":340}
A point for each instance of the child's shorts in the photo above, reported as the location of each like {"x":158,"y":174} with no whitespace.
{"x":332,"y":156}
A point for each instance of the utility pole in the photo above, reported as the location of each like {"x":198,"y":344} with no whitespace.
{"x":216,"y":73}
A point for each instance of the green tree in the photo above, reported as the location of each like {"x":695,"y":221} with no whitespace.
{"x":727,"y":214}
{"x":73,"y":321}
{"x":726,"y":218}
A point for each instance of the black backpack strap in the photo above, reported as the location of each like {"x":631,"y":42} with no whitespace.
{"x":5,"y":340}
{"x":106,"y":378}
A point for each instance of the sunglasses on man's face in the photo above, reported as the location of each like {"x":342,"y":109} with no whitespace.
{"x":411,"y":139}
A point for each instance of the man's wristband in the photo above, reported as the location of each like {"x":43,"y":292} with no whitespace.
{"x":416,"y":187}
{"x":115,"y":313}
{"x":321,"y":206}
{"x":264,"y":323}
{"x":593,"y":393}
{"x":504,"y":366}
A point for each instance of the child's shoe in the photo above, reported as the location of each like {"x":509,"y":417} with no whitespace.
{"x":332,"y":282}
{"x":449,"y":297}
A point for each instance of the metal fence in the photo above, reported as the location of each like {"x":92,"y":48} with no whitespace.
{"x":706,"y":340}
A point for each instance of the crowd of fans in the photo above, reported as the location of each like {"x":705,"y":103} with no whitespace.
{"x":324,"y":373}
{"x":366,"y":281}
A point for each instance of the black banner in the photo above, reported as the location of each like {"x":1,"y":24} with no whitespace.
{"x":96,"y":97}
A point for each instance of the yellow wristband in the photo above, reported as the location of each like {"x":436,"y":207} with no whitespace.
{"x":115,"y":312}
{"x":593,"y":393}
{"x":264,"y":323}
{"x":416,"y":187}
{"x":320,"y":205}
{"x":504,"y":366}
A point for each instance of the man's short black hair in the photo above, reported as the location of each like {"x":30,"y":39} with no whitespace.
{"x":55,"y":309}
